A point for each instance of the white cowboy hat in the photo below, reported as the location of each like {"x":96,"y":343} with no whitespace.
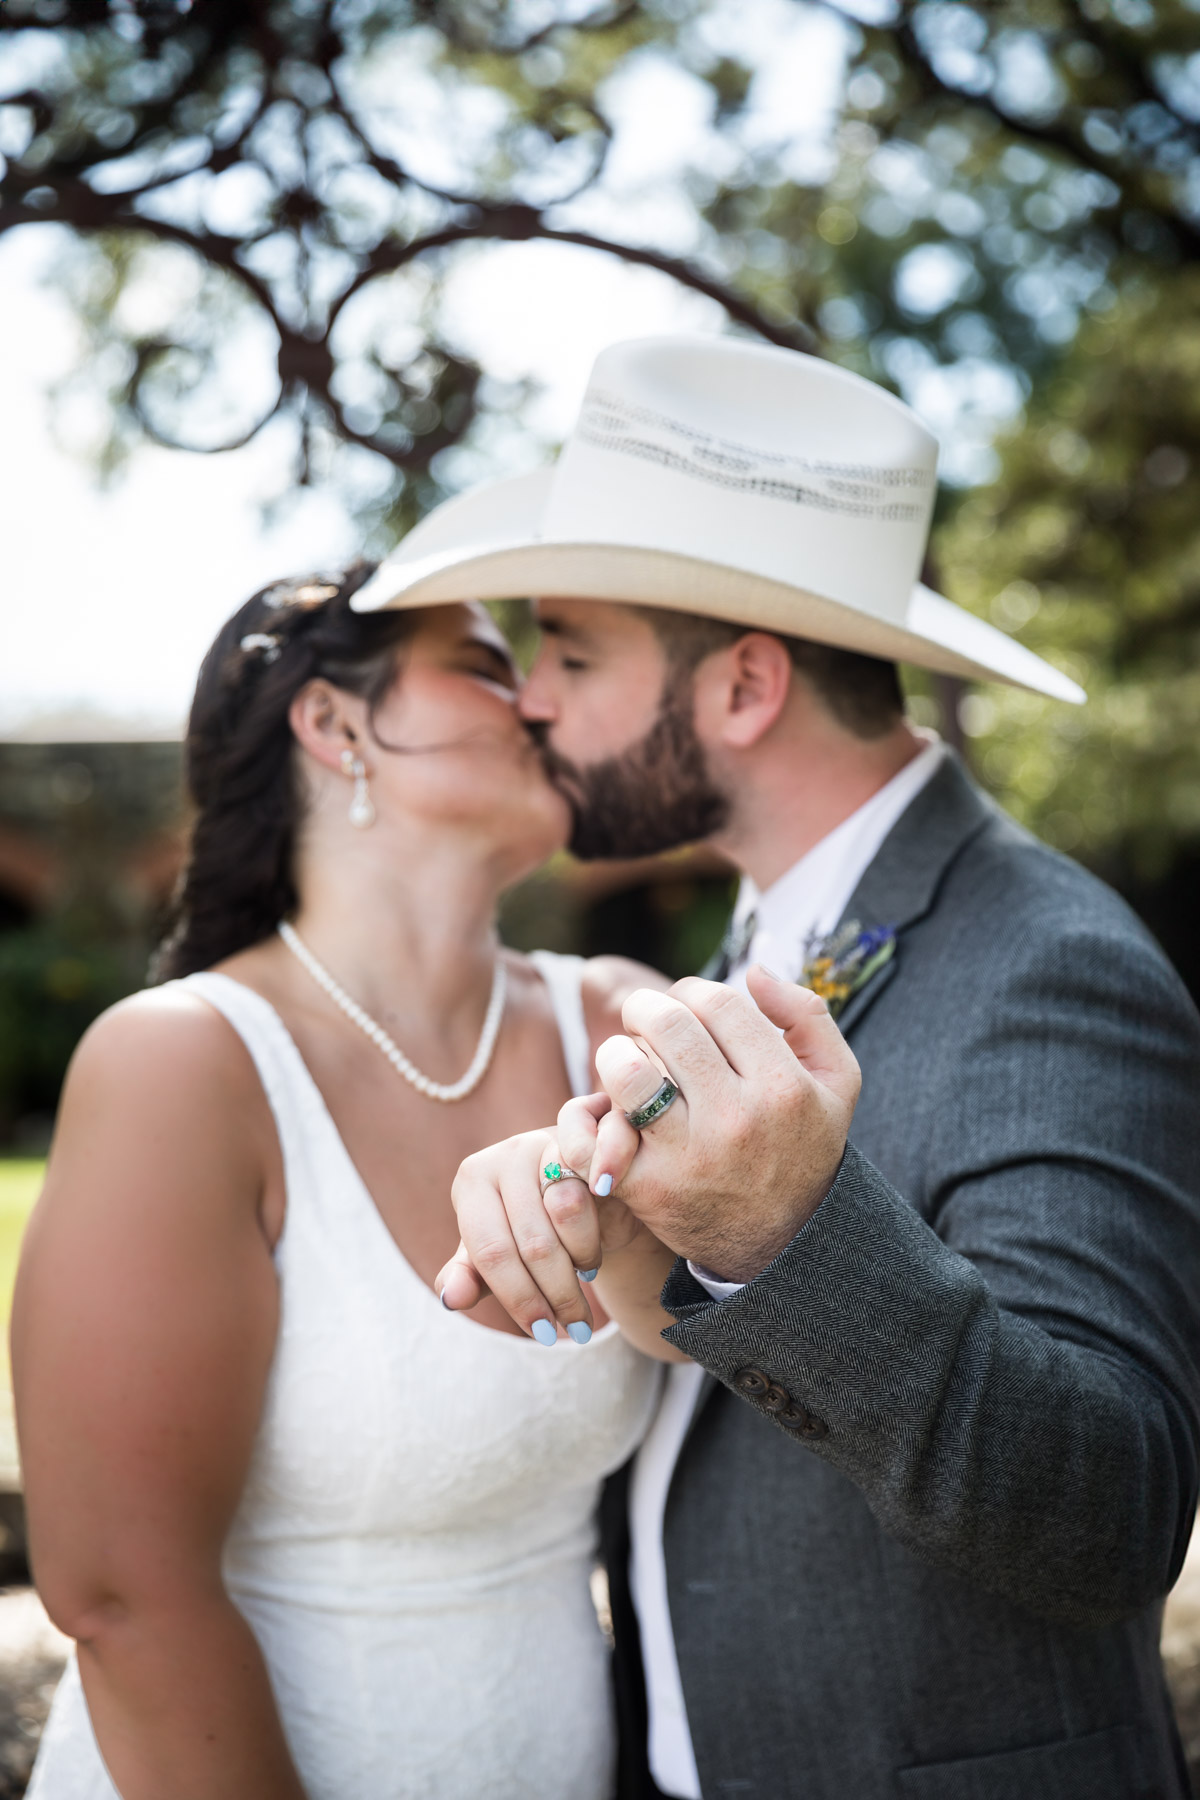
{"x":713,"y":476}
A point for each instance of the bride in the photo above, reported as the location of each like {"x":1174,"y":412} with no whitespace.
{"x":313,"y":1534}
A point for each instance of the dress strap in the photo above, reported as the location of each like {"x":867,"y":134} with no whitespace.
{"x":563,"y":976}
{"x":292,"y":1095}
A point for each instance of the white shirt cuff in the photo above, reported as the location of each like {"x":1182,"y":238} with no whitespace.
{"x":720,"y":1290}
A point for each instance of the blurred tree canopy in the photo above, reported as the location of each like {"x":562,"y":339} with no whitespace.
{"x":1088,"y":545}
{"x":993,"y":207}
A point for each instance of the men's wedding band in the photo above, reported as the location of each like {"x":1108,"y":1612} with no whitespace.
{"x":557,"y":1171}
{"x":655,"y":1107}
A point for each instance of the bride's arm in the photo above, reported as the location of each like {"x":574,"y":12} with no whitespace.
{"x":144,"y":1323}
{"x":632,"y":1273}
{"x":607,"y":983}
{"x":628,"y":1285}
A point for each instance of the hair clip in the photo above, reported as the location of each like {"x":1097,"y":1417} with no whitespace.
{"x":258,"y":640}
{"x":314,"y":593}
{"x":302,"y":593}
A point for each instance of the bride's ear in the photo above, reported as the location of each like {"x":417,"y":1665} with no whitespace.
{"x":327,"y":722}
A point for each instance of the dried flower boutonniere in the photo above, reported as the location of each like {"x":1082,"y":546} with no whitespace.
{"x":839,"y":965}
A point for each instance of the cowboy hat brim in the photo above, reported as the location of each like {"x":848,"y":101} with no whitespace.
{"x":506,"y":562}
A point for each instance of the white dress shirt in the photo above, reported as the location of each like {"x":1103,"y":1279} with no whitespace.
{"x":806,"y":902}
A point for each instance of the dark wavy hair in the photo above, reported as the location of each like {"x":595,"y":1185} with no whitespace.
{"x":239,"y":763}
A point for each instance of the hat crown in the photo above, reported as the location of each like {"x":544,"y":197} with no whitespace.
{"x":743,"y":454}
{"x":781,"y":401}
{"x":732,"y":480}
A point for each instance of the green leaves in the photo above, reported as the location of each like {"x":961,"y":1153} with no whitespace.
{"x":1088,"y":545}
{"x":992,"y":207}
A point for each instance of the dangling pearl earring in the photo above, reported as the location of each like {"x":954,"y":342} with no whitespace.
{"x":362,"y":811}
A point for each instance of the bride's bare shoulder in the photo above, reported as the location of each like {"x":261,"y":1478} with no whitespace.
{"x":163,"y":1041}
{"x":161,"y":1099}
{"x":607,"y":981}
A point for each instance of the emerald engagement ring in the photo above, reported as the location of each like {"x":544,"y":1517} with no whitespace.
{"x":556,"y":1171}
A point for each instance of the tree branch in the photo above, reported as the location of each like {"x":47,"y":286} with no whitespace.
{"x":1070,"y":143}
{"x":606,"y":18}
{"x":1116,"y":47}
{"x":520,"y":224}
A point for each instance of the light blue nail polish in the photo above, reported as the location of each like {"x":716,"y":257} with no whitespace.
{"x":579,"y":1331}
{"x":604,"y":1187}
{"x":442,"y":1298}
{"x":544,"y":1332}
{"x":587,"y":1274}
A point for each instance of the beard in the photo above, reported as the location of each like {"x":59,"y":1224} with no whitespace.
{"x":654,"y":796}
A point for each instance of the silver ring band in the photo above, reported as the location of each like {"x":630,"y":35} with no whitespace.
{"x":655,"y":1106}
{"x":557,"y":1171}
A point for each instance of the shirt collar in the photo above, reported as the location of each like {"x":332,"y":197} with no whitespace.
{"x":808,"y":899}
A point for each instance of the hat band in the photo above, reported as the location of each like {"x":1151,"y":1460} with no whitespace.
{"x":635,"y":478}
{"x":855,"y":490}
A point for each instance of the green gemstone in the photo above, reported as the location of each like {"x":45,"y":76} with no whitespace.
{"x":553,"y":1172}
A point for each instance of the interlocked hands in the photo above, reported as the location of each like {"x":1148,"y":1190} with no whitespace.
{"x":726,"y":1176}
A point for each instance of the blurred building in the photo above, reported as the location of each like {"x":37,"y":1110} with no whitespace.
{"x":61,"y":795}
{"x":91,"y":835}
{"x":92,"y":832}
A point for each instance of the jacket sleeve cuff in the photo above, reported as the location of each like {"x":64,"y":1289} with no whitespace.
{"x":847,"y":1336}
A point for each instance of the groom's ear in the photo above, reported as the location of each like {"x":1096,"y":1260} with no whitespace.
{"x":742,"y":691}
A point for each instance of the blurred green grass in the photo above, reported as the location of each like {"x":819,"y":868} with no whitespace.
{"x":20,"y":1183}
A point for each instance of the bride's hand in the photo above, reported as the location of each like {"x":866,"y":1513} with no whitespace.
{"x":531,"y":1244}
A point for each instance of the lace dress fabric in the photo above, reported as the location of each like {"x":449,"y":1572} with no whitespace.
{"x":415,"y":1539}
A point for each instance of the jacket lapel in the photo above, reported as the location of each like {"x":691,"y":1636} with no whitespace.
{"x":901,"y":885}
{"x":858,"y":1003}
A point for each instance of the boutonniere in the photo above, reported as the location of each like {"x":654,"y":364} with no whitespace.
{"x":839,"y":965}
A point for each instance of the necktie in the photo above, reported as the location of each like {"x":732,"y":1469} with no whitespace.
{"x":733,"y":947}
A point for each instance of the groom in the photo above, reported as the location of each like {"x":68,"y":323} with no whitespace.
{"x":913,"y":1538}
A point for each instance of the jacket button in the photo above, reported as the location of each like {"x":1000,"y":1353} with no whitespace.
{"x":751,"y":1382}
{"x":798,"y":1419}
{"x":777,"y":1400}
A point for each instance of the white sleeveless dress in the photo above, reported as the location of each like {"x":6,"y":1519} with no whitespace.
{"x":415,"y":1540}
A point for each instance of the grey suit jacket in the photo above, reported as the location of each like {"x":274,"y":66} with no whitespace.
{"x":919,"y":1535}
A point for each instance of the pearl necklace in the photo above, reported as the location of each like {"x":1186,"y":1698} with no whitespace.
{"x":435,"y":1090}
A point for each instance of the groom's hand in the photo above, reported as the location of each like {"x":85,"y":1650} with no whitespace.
{"x":726,"y":1176}
{"x":731,"y":1171}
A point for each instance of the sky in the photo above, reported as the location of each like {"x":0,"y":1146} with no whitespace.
{"x":111,"y":594}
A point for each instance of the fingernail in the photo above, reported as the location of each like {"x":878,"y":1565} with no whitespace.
{"x":604,"y":1187}
{"x":545,"y":1333}
{"x":442,"y":1298}
{"x":771,"y":972}
{"x":579,"y":1331}
{"x":587,"y":1274}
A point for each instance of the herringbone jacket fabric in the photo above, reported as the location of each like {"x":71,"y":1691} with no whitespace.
{"x":950,"y":1586}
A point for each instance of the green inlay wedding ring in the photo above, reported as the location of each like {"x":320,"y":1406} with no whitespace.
{"x":655,"y":1107}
